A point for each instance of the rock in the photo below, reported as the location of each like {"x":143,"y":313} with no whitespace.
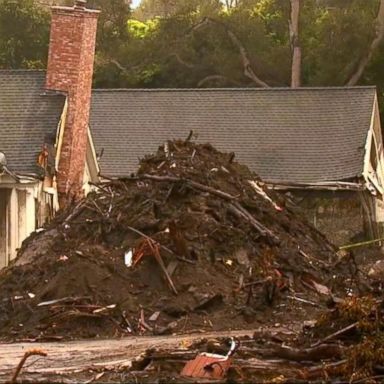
{"x":242,"y":257}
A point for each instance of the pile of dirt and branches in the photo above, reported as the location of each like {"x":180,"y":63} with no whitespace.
{"x":192,"y":241}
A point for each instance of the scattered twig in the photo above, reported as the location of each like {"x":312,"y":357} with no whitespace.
{"x":310,"y":258}
{"x":160,"y":261}
{"x":335,"y":334}
{"x":242,"y":213}
{"x":185,"y":260}
{"x":257,"y":282}
{"x":143,"y":323}
{"x":75,"y":212}
{"x":300,"y":300}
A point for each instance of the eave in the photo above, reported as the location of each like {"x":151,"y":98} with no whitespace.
{"x":328,"y":186}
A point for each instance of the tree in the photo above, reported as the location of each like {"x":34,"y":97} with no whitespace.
{"x":112,"y":37}
{"x":24,"y":34}
{"x":295,"y":44}
{"x":149,"y":9}
{"x":209,"y":43}
{"x":367,"y":57}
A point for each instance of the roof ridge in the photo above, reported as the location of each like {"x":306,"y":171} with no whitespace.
{"x":249,"y":89}
{"x":22,"y":70}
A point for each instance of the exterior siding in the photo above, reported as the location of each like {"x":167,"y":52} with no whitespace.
{"x":341,"y":215}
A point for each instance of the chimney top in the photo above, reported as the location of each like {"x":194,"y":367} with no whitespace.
{"x":80,"y":4}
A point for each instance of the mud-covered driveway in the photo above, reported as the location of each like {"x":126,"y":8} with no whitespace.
{"x":79,"y":361}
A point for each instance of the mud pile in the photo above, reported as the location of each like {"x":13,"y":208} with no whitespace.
{"x":191,"y":242}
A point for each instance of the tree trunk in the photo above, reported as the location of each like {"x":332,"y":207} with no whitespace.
{"x":374,"y":45}
{"x":295,"y":44}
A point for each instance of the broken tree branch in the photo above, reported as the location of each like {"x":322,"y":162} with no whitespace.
{"x":236,"y":208}
{"x":75,"y":212}
{"x":335,"y":334}
{"x":318,"y":353}
{"x":32,"y":352}
{"x":160,"y":261}
{"x":192,"y":183}
{"x":241,"y":212}
{"x":248,"y":70}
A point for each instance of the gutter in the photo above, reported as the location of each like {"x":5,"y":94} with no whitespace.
{"x":330,"y":186}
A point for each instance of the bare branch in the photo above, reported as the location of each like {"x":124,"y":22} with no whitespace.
{"x":118,"y":65}
{"x":31,"y":352}
{"x":364,"y":61}
{"x":248,"y":70}
{"x":181,"y":61}
{"x":126,"y":69}
{"x":217,"y":77}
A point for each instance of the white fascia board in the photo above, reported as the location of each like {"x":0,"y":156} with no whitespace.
{"x":370,"y":178}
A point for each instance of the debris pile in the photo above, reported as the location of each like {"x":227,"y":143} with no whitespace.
{"x":345,"y":345}
{"x":191,"y":242}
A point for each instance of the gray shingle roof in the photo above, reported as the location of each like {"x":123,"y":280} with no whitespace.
{"x":305,"y":135}
{"x":28,"y":118}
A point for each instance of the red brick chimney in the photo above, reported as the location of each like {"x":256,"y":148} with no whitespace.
{"x":70,"y":69}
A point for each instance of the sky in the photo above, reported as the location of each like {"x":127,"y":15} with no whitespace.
{"x":135,"y":3}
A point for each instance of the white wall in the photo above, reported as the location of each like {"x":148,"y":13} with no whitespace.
{"x":17,"y":217}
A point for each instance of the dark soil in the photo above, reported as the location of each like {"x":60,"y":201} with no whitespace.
{"x":231,"y":270}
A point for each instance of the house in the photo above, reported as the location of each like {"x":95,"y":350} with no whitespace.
{"x":46,"y":154}
{"x":322,"y":146}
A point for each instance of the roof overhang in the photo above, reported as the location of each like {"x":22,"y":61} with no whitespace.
{"x":329,"y":186}
{"x":7,"y":181}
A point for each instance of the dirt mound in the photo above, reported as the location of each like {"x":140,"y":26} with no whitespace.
{"x":192,"y":241}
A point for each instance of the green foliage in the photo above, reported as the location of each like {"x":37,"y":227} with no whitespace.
{"x":188,"y":57}
{"x":112,"y":38}
{"x":24,"y":34}
{"x":164,"y":43}
{"x":140,"y":30}
{"x":334,"y":38}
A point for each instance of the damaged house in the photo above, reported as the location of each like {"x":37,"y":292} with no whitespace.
{"x":322,"y":146}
